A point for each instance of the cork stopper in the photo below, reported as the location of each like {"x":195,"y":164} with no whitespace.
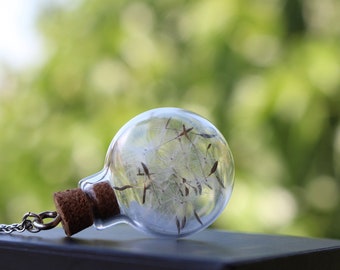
{"x":75,"y":210}
{"x":78,"y":210}
{"x":106,"y":205}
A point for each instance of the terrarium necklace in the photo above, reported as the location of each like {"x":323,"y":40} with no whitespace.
{"x":168,"y":172}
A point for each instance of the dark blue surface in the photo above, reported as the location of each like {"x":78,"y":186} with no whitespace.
{"x":122,"y":247}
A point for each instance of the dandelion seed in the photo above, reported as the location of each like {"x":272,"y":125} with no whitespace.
{"x":197,"y":217}
{"x":146,"y":187}
{"x":208,"y":147}
{"x":199,"y":186}
{"x":186,"y":191}
{"x":140,"y":173}
{"x":167,"y":123}
{"x":214,"y":168}
{"x":178,"y":225}
{"x":220,"y":181}
{"x":146,"y":170}
{"x":206,"y":136}
{"x":185,"y":132}
{"x":123,"y":187}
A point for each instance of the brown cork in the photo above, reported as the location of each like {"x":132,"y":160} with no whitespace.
{"x":78,"y":209}
{"x":106,"y":205}
{"x":75,"y":210}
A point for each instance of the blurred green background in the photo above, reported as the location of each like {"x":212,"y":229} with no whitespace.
{"x":265,"y":72}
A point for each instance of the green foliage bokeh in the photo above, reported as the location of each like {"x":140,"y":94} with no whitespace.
{"x":265,"y":72}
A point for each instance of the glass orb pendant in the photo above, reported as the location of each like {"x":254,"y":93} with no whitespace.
{"x":168,"y":172}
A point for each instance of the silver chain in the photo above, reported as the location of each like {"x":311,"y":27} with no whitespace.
{"x":33,"y":223}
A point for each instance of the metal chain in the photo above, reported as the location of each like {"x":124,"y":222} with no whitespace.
{"x":33,"y":223}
